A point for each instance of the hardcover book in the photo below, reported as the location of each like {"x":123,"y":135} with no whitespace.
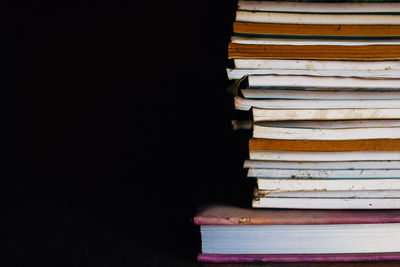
{"x":233,"y":234}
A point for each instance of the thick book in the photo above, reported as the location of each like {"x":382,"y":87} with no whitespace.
{"x":261,"y":114}
{"x":328,"y":130}
{"x":233,"y":234}
{"x":315,"y":30}
{"x":321,"y":52}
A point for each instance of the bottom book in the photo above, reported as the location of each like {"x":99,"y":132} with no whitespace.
{"x":233,"y":234}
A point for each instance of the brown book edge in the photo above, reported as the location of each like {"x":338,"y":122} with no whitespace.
{"x":324,"y":145}
{"x":362,"y":52}
{"x":317,"y":30}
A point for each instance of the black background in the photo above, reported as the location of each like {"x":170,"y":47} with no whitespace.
{"x":116,"y":125}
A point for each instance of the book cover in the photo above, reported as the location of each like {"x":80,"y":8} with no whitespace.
{"x":331,"y":257}
{"x":233,"y":215}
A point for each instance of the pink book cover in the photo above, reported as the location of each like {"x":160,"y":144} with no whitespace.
{"x":351,"y":257}
{"x":231,"y":215}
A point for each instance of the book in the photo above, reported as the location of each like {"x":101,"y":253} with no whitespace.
{"x":324,"y":173}
{"x":293,"y":184}
{"x":321,"y":52}
{"x":309,"y":41}
{"x":324,"y":145}
{"x":273,"y":234}
{"x":321,"y":165}
{"x":371,"y":199}
{"x":293,"y":104}
{"x":315,"y":30}
{"x":315,"y":7}
{"x":314,"y":18}
{"x":362,"y":194}
{"x":235,"y":74}
{"x":300,"y":81}
{"x":302,"y":67}
{"x":312,"y":258}
{"x":283,"y":155}
{"x":219,"y":214}
{"x":334,"y":94}
{"x":326,"y":203}
{"x":302,"y":64}
{"x":328,"y":130}
{"x":260,"y":114}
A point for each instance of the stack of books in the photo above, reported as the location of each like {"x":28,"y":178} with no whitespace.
{"x":322,"y":82}
{"x":323,"y":87}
